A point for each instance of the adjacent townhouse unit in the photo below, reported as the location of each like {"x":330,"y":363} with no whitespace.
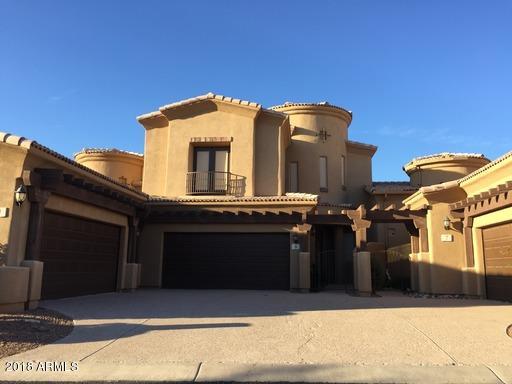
{"x":231,"y":195}
{"x":467,"y":245}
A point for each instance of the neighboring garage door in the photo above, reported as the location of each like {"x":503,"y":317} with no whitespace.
{"x":226,"y":260}
{"x":80,"y":256}
{"x":498,"y":261}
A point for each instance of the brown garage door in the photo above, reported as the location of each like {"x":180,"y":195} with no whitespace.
{"x":498,"y":261}
{"x":80,"y":256}
{"x":226,"y":260}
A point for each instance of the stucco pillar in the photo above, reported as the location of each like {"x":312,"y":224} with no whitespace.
{"x":363,"y":277}
{"x":300,"y":264}
{"x":133,"y":228}
{"x":35,"y":282}
{"x":469,"y":275}
{"x":38,"y":199}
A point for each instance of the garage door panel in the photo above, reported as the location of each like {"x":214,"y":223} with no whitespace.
{"x":497,"y":243}
{"x":80,"y":256}
{"x":220,"y":260}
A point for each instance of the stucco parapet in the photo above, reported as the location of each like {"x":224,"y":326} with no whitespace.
{"x":150,"y":115}
{"x":433,"y":159}
{"x":321,"y":104}
{"x":314,"y":108}
{"x":362,"y":146}
{"x":460,"y":183}
{"x":107,"y":151}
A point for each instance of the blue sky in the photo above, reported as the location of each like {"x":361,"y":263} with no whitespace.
{"x":420,"y":76}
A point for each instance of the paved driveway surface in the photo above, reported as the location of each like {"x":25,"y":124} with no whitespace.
{"x":153,"y":326}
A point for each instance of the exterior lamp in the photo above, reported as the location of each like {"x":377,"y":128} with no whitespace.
{"x":446,"y":223}
{"x":20,"y":195}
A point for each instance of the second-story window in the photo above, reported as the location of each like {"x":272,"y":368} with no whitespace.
{"x":211,"y":167}
{"x":323,"y":173}
{"x":293,"y":177}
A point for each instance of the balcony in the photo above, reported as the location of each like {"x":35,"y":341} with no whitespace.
{"x":215,"y":183}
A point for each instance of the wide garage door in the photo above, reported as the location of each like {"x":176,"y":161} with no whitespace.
{"x":226,"y":260}
{"x":498,"y":261}
{"x":80,"y":256}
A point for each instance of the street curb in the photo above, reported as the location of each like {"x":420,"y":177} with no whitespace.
{"x":186,"y":372}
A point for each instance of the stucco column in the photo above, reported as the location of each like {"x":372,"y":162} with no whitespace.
{"x":133,"y":225}
{"x":300,"y":268}
{"x":468,"y":241}
{"x":38,"y":199}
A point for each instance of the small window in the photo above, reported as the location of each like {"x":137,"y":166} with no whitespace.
{"x":343,"y":171}
{"x":293,"y":177}
{"x":323,"y":173}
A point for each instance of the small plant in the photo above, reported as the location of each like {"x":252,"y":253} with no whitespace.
{"x":3,"y":254}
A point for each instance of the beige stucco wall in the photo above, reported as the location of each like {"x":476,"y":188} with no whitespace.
{"x":117,"y":165}
{"x":13,"y":228}
{"x":270,"y":148}
{"x":446,"y":258}
{"x":358,"y":175}
{"x":156,"y":144}
{"x":254,"y":137}
{"x":306,"y":148}
{"x":440,"y":269}
{"x":151,"y":241}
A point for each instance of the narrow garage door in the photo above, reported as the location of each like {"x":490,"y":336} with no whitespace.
{"x":498,"y":261}
{"x":80,"y":256}
{"x":226,"y":260}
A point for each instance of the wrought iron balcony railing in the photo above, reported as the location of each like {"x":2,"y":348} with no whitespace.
{"x":215,"y":183}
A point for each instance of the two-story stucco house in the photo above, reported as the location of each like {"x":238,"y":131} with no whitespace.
{"x":229,"y":194}
{"x":240,"y":194}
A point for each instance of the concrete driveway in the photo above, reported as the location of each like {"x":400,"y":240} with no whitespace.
{"x":158,"y":327}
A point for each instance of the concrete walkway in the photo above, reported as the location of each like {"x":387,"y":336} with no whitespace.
{"x":278,"y":336}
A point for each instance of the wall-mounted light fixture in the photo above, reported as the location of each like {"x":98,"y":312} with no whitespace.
{"x":20,"y":195}
{"x":446,"y":223}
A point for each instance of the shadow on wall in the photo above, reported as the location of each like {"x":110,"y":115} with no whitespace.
{"x":197,"y":304}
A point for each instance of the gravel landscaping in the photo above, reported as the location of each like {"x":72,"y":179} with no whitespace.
{"x":20,"y":332}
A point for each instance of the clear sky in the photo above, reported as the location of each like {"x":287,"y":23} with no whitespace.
{"x":421,"y":77}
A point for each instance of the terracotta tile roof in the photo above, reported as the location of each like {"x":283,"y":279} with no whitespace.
{"x":31,"y":144}
{"x":320,"y":104}
{"x":289,"y":197}
{"x":208,"y":96}
{"x":445,"y":155}
{"x":107,"y":150}
{"x":391,"y":187}
{"x":486,"y":167}
{"x":333,"y":205}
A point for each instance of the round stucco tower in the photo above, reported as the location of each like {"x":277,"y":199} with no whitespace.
{"x":442,"y":167}
{"x":319,"y":135}
{"x":125,"y":167}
